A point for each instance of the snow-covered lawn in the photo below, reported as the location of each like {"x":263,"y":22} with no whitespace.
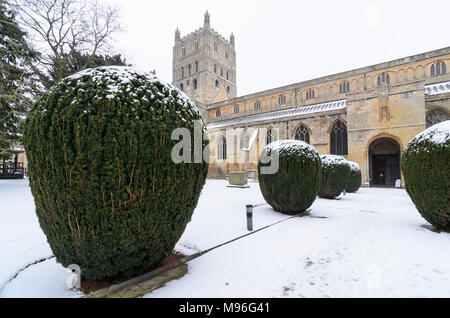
{"x":368,"y":244}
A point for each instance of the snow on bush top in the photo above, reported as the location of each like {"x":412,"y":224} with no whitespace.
{"x":331,"y":160}
{"x":354,"y":166}
{"x":292,"y":147}
{"x":117,"y":80}
{"x":438,"y":134}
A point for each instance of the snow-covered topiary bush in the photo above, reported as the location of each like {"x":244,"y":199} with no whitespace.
{"x":355,"y":178}
{"x":108,"y":195}
{"x":294,"y":187}
{"x":335,"y":176}
{"x":425,"y":166}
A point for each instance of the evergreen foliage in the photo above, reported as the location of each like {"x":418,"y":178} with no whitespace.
{"x":335,"y":176}
{"x":76,"y":61}
{"x":355,"y":178}
{"x":15,"y":59}
{"x":425,"y":166}
{"x":294,"y":187}
{"x":108,"y":195}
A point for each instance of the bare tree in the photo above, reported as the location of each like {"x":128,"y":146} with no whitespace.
{"x":59,"y":27}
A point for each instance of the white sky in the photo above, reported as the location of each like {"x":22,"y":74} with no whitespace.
{"x":283,"y":42}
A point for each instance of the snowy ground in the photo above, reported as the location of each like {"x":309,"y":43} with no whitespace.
{"x":369,"y":244}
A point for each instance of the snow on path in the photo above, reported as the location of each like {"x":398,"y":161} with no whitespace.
{"x":371,"y":244}
{"x":22,"y":242}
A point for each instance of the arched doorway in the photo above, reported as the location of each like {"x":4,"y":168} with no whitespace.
{"x":384,"y":159}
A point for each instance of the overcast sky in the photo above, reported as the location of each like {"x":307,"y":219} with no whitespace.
{"x":283,"y":42}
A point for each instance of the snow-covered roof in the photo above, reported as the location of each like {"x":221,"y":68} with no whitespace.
{"x":296,"y":111}
{"x":438,"y":88}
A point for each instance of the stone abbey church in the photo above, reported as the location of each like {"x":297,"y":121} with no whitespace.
{"x":367,"y":115}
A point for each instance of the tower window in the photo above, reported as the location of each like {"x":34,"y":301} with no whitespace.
{"x":196,"y":45}
{"x":215,"y":46}
{"x":218,"y":113}
{"x":228,"y":89}
{"x":215,"y":68}
{"x":236,"y":109}
{"x":344,"y":87}
{"x":383,"y":78}
{"x":438,"y":68}
{"x":310,"y":94}
{"x":195,"y":83}
{"x":182,"y":87}
{"x":302,"y":133}
{"x":281,"y":100}
{"x":217,"y":83}
{"x":196,"y":67}
{"x":228,"y":75}
{"x":182,"y":72}
{"x":189,"y":68}
{"x":257,"y":105}
{"x":221,"y":72}
{"x":338,"y":139}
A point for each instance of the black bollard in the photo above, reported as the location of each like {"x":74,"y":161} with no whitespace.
{"x":249,"y":217}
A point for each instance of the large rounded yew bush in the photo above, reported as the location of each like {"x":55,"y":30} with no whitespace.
{"x":108,"y":195}
{"x":425,"y":166}
{"x":294,"y":186}
{"x":335,"y":176}
{"x":355,"y":180}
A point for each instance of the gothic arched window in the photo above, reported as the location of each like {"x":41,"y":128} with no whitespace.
{"x":281,"y":100}
{"x":383,"y":78}
{"x":257,"y":105}
{"x":245,"y":141}
{"x":195,"y":83}
{"x":222,"y":149}
{"x":218,"y":113}
{"x":182,"y":72}
{"x":189,"y":69}
{"x":310,"y":94}
{"x":438,"y":68}
{"x":236,"y":109}
{"x":344,"y":87}
{"x":436,"y":116}
{"x":302,"y":133}
{"x":217,"y":83}
{"x":182,"y":87}
{"x":271,"y":136}
{"x":196,"y":66}
{"x":338,"y":139}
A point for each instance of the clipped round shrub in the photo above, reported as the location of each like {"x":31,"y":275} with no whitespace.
{"x":108,"y":196}
{"x":294,"y":186}
{"x":425,"y":166}
{"x":355,"y":180}
{"x":335,"y":176}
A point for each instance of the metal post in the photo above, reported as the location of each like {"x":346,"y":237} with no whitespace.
{"x":249,"y":217}
{"x":16,"y":158}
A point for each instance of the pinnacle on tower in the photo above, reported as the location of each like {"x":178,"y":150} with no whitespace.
{"x":232,"y":39}
{"x":207,"y":19}
{"x":177,"y":35}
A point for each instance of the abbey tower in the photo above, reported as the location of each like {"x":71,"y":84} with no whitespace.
{"x":204,"y":65}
